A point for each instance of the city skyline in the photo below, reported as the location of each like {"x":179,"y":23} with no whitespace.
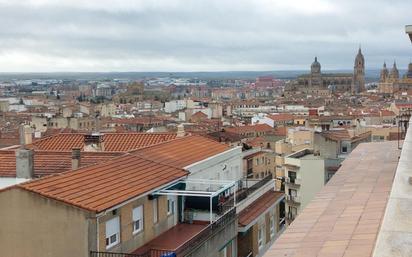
{"x":176,"y":36}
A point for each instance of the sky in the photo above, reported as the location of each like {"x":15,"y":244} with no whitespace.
{"x":200,"y":35}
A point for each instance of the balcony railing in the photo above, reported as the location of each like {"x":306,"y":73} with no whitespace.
{"x":248,"y":190}
{"x":212,"y":229}
{"x":293,"y":199}
{"x":295,"y":182}
{"x":149,"y":253}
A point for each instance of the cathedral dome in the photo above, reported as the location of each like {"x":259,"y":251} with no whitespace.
{"x":315,"y":67}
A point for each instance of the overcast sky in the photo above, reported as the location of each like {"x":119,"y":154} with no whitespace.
{"x":200,"y":35}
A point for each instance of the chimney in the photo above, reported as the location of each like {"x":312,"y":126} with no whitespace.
{"x":180,"y":130}
{"x":94,"y":142}
{"x":76,"y":158}
{"x":24,"y":163}
{"x":25,"y":135}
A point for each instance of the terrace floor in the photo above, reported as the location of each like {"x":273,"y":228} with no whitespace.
{"x":173,"y":238}
{"x":344,"y":218}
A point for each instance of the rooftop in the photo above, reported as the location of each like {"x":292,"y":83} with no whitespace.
{"x":254,"y":210}
{"x":343,"y":219}
{"x":49,"y":162}
{"x":103,"y":186}
{"x":344,"y":134}
{"x":183,"y":151}
{"x":281,"y":117}
{"x":250,"y":128}
{"x":395,"y":235}
{"x":113,"y":142}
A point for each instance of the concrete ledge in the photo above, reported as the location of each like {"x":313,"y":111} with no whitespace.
{"x":395,"y":235}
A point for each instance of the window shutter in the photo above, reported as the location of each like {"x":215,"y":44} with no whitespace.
{"x":138,"y":213}
{"x":112,"y":226}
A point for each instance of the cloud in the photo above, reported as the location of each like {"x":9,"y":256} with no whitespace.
{"x":201,"y":35}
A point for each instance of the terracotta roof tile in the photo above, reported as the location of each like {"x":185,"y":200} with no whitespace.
{"x":344,"y":217}
{"x":47,"y":163}
{"x":281,"y":117}
{"x":184,"y":151}
{"x":113,"y":142}
{"x":258,"y":207}
{"x":103,"y":186}
{"x":250,"y":128}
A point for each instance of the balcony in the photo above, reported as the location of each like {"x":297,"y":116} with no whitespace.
{"x":252,"y":189}
{"x":181,"y":240}
{"x":293,"y":200}
{"x":293,"y":183}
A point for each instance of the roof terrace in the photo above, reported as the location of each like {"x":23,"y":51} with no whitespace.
{"x":344,"y":218}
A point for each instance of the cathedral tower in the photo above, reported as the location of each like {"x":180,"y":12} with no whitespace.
{"x":358,"y":81}
{"x":384,"y":73}
{"x":394,"y":72}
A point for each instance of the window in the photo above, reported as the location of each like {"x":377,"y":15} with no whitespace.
{"x":138,"y":219}
{"x":112,"y":232}
{"x":170,"y":205}
{"x":155,"y":213}
{"x":344,"y":149}
{"x":261,"y":235}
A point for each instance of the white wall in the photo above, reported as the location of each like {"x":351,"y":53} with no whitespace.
{"x":312,"y":175}
{"x":224,"y":166}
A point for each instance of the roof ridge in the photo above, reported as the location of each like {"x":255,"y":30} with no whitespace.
{"x":160,"y":143}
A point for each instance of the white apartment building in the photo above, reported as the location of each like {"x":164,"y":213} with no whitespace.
{"x":305,"y":176}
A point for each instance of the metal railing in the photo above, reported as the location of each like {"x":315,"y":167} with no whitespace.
{"x":212,"y":229}
{"x":149,"y":253}
{"x":244,"y":193}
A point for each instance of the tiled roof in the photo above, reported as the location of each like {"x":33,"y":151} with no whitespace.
{"x":255,"y":142}
{"x":387,"y":113}
{"x":225,"y":136}
{"x":184,"y":151}
{"x":199,"y":114}
{"x":103,"y":186}
{"x":250,"y":128}
{"x":343,"y":134}
{"x":281,"y":117}
{"x":47,"y":163}
{"x":343,"y":219}
{"x":255,"y":209}
{"x":113,"y":142}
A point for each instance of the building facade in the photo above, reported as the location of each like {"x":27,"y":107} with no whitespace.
{"x":317,"y":82}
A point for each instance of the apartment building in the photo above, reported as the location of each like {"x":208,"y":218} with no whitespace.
{"x":104,"y":207}
{"x":304,"y":177}
{"x":298,"y":138}
{"x":258,"y":163}
{"x":255,"y":199}
{"x":335,"y":145}
{"x":274,"y":120}
{"x":184,"y":197}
